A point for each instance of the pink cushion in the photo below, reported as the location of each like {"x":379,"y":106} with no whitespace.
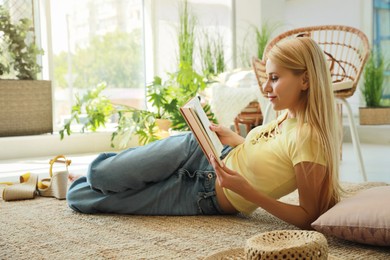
{"x":363,"y":218}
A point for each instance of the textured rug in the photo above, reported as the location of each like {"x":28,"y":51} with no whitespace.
{"x":45,"y":228}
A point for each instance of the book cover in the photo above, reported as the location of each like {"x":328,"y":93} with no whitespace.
{"x":199,"y":123}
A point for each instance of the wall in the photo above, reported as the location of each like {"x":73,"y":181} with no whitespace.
{"x":297,"y":13}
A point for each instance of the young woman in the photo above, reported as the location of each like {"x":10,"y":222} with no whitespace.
{"x":299,"y":150}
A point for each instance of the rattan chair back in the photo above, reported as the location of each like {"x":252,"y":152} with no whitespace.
{"x":346,"y":48}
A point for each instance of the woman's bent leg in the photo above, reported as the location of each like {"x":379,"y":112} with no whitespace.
{"x":169,"y":177}
{"x":183,"y":193}
{"x":135,"y":168}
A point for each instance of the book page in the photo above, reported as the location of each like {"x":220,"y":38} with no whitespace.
{"x":206,"y":124}
{"x":203,"y":132}
{"x":199,"y":123}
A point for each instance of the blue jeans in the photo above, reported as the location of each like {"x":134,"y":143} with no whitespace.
{"x":168,"y":177}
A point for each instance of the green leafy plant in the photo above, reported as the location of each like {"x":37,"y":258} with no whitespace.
{"x":96,"y":108}
{"x":132,"y":121}
{"x":207,"y":57}
{"x":19,"y":54}
{"x":93,"y":110}
{"x":263,"y":35}
{"x":167,"y":97}
{"x":373,"y":79}
{"x":212,"y":54}
{"x":185,"y":83}
{"x":161,"y":98}
{"x":186,"y":34}
{"x":219,"y":51}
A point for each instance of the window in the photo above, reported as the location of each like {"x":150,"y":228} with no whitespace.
{"x":382,"y":37}
{"x":96,"y":41}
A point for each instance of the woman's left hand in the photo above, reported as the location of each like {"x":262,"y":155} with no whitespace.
{"x":230,"y":179}
{"x":226,"y":135}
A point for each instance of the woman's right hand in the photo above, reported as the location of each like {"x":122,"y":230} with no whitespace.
{"x":226,"y":135}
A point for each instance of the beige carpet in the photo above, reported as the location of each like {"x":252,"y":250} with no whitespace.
{"x":45,"y":228}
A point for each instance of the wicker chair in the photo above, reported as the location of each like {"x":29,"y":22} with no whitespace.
{"x":347,"y":50}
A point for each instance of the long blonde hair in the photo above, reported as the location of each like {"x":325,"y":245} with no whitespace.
{"x":300,"y":55}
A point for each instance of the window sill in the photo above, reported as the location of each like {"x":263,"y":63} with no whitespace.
{"x":44,"y":145}
{"x":80,"y":143}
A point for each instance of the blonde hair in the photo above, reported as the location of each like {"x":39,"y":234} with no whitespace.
{"x":302,"y":55}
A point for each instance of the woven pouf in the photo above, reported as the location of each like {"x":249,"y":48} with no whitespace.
{"x":287,"y":244}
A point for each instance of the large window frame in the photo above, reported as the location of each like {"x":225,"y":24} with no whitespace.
{"x":128,"y":91}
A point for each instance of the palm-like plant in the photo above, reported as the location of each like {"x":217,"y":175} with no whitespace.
{"x":373,"y":79}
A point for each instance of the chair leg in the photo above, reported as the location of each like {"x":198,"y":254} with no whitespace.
{"x":355,"y":137}
{"x":340,"y":115}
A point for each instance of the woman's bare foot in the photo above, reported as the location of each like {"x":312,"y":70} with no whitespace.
{"x":72,"y":177}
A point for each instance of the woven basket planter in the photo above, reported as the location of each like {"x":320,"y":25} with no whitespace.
{"x":25,"y":107}
{"x":374,"y":115}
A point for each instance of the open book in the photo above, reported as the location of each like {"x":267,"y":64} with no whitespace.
{"x":199,"y":123}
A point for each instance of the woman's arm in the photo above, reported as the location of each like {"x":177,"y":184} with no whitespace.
{"x":227,"y":136}
{"x":310,"y":180}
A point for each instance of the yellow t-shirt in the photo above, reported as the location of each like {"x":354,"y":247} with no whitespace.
{"x":267,"y":159}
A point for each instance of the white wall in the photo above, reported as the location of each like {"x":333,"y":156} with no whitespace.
{"x":299,"y":13}
{"x":317,"y":12}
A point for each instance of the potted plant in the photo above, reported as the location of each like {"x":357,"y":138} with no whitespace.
{"x":374,"y":113}
{"x":26,"y":103}
{"x":162,"y":103}
{"x":93,"y":111}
